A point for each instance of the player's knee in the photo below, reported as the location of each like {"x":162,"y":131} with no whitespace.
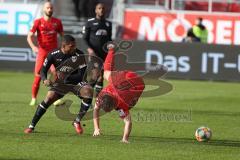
{"x":51,"y":97}
{"x":86,"y":92}
{"x":95,"y":74}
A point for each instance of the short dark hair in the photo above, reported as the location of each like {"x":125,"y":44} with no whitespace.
{"x":200,"y":19}
{"x":102,"y":4}
{"x":67,"y":39}
{"x":107,"y":103}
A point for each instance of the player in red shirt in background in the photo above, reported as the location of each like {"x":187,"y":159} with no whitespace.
{"x":47,"y":28}
{"x":122,"y":93}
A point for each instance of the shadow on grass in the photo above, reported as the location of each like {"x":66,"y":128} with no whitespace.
{"x":145,"y":139}
{"x":228,"y":143}
{"x":134,"y":139}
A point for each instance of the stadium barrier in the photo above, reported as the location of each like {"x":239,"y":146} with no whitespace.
{"x":183,"y":60}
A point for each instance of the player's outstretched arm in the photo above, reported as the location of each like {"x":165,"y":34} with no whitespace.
{"x":127,"y":128}
{"x":86,"y":37}
{"x":96,"y":121}
{"x":44,"y":70}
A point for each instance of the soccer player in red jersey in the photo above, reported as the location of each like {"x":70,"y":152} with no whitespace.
{"x":121,"y":93}
{"x":47,"y":28}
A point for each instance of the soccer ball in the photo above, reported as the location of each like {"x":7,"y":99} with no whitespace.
{"x":203,"y":134}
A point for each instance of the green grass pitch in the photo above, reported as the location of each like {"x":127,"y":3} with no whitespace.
{"x":163,"y":127}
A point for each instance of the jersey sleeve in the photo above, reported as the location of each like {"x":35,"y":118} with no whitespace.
{"x":60,"y":27}
{"x":122,"y":108}
{"x":35,"y":26}
{"x":123,"y":113}
{"x":46,"y":65}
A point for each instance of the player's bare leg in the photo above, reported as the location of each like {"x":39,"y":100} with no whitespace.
{"x":95,"y":74}
{"x":99,"y":84}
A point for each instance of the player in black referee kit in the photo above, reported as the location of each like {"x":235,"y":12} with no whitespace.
{"x":97,"y":33}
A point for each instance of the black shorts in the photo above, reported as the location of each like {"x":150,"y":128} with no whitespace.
{"x":63,"y":89}
{"x":100,"y":52}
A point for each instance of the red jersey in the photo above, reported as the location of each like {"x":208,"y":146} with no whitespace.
{"x":47,"y":32}
{"x":126,"y":87}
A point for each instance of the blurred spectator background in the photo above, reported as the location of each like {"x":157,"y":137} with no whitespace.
{"x":74,"y":14}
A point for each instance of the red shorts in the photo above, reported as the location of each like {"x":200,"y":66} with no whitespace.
{"x":42,"y":54}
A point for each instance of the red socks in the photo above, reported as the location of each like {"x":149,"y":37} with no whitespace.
{"x":35,"y":86}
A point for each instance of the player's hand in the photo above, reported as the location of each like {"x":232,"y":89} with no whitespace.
{"x":96,"y":133}
{"x":91,"y":52}
{"x":47,"y":82}
{"x":35,"y":49}
{"x":111,"y":45}
{"x":124,"y":141}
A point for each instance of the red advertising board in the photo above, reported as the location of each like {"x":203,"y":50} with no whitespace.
{"x":172,"y":26}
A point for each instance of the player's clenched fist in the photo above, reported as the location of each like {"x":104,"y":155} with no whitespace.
{"x":47,"y":82}
{"x":35,"y":49}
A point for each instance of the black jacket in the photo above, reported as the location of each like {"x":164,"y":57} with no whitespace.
{"x":97,"y":32}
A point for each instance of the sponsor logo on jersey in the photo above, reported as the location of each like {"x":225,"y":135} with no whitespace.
{"x":95,"y":23}
{"x":48,"y":32}
{"x":66,"y":69}
{"x":101,"y":32}
{"x":74,"y":59}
